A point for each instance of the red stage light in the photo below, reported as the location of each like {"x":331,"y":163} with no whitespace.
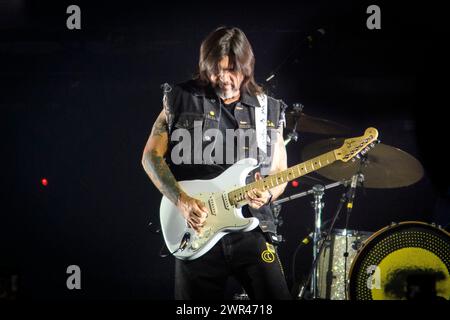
{"x":294,"y":183}
{"x":44,"y":182}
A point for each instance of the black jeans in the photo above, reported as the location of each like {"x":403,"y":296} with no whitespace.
{"x":246,"y":256}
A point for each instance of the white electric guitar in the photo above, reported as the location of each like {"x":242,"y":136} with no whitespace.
{"x":225,"y":195}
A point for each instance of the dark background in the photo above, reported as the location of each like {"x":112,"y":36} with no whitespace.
{"x":77,"y":107}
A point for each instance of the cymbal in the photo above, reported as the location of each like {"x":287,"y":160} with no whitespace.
{"x":309,"y":124}
{"x":383,"y":166}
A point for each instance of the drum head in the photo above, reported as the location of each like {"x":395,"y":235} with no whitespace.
{"x":408,"y":260}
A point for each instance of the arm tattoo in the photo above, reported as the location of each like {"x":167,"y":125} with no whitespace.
{"x":158,"y":170}
{"x":156,"y":166}
{"x":159,"y":127}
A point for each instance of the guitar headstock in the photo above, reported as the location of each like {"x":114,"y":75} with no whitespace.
{"x":354,"y":146}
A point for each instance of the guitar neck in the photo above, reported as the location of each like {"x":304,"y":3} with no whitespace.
{"x":269,"y":182}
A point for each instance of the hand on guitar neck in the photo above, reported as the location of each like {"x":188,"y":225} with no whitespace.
{"x":257,"y":198}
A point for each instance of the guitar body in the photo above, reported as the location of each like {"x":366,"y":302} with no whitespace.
{"x":223,"y":218}
{"x":224,"y":215}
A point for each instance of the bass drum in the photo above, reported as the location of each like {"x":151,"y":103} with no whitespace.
{"x":407,"y":260}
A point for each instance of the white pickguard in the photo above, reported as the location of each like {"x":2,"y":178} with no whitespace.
{"x":222,"y":218}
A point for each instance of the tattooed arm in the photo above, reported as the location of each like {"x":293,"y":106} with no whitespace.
{"x":154,"y":163}
{"x":159,"y":172}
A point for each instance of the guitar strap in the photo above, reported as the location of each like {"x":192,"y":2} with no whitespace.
{"x":264,"y":214}
{"x":261,"y":128}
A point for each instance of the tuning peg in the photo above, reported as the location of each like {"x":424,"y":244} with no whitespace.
{"x":358,"y":156}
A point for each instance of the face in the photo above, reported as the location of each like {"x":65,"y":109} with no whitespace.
{"x":228,"y":81}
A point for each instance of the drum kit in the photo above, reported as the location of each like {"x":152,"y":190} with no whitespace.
{"x":405,"y":260}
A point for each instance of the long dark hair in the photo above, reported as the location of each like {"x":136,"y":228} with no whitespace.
{"x":231,"y":42}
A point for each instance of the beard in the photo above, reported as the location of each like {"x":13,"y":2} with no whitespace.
{"x":226,"y":93}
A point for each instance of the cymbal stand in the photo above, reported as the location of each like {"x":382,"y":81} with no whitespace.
{"x":318,"y":205}
{"x":318,"y":191}
{"x":293,"y":135}
{"x":319,"y":237}
{"x":312,"y":275}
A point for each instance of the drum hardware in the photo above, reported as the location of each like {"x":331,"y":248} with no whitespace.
{"x":317,"y":250}
{"x":297,"y":120}
{"x":407,"y":271}
{"x":322,"y":237}
{"x":311,"y":191}
{"x":319,"y":236}
{"x":357,"y":178}
{"x":295,"y":113}
{"x":318,"y":205}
